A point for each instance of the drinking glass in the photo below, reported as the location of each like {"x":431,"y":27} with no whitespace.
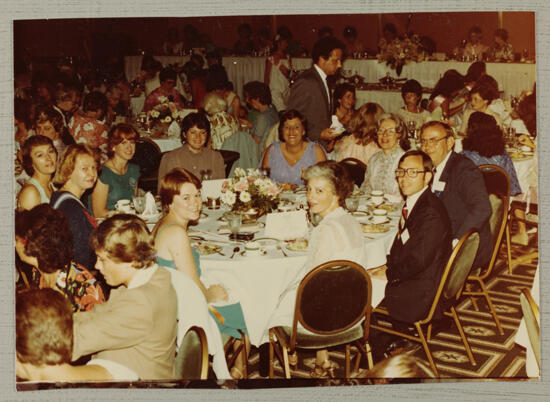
{"x":139,"y":204}
{"x":206,"y":174}
{"x":234,"y":221}
{"x":352,"y":203}
{"x":411,"y":128}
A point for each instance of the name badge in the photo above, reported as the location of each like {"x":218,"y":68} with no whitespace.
{"x":439,"y":186}
{"x":405,"y":236}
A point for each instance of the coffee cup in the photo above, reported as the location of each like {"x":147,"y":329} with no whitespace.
{"x":379,"y":215}
{"x":213,"y":202}
{"x":377,"y":197}
{"x":252,"y":248}
{"x":123,"y":206}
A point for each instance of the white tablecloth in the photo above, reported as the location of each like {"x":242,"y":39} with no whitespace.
{"x":257,"y":282}
{"x":512,"y":77}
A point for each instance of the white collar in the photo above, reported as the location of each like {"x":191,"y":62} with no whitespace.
{"x":411,"y":200}
{"x":142,"y":276}
{"x":321,"y":73}
{"x":439,"y":169}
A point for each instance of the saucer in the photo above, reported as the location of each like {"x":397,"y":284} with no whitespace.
{"x":379,"y":223}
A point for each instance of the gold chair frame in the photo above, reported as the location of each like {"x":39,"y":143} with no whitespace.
{"x":352,"y":164}
{"x":282,"y":348}
{"x":531,"y":314}
{"x":423,"y":339}
{"x":479,"y":279}
{"x":204,"y":362}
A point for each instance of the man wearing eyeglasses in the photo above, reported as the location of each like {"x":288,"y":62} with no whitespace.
{"x":460,"y":186}
{"x":419,"y":251}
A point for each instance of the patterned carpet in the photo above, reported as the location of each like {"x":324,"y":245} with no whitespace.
{"x":497,"y":356}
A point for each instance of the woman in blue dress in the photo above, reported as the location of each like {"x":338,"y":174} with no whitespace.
{"x":181,"y":201}
{"x":118,"y":179}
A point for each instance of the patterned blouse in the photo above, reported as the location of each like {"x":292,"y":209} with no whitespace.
{"x":78,"y":285}
{"x":89,"y":131}
{"x":380,"y":173}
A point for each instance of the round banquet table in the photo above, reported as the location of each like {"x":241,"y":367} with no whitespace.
{"x":257,"y":282}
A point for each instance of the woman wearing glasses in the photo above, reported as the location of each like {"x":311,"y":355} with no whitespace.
{"x":380,"y":173}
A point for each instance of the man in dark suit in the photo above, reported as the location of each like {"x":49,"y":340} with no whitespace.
{"x":460,"y":185}
{"x":310,"y":94}
{"x":422,"y":246}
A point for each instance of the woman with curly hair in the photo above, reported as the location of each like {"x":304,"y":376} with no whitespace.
{"x":484,"y":144}
{"x":44,"y":241}
{"x":481,"y":96}
{"x":361,"y":144}
{"x":49,"y":123}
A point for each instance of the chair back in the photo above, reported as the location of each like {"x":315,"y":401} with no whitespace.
{"x":192,"y":356}
{"x":332,"y":298}
{"x":356,"y":169}
{"x":229,"y":157}
{"x":461,"y":266}
{"x":461,"y":261}
{"x":244,"y":144}
{"x":147,"y":156}
{"x":531,"y":315}
{"x":498,"y":186}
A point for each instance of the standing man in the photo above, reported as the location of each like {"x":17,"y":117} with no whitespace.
{"x":310,"y":94}
{"x":459,"y":184}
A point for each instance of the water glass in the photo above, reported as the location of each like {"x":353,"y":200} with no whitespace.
{"x":234,"y":221}
{"x":352,"y":203}
{"x":139,"y":204}
{"x":206,"y":174}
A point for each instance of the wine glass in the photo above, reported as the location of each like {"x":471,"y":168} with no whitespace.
{"x":206,"y":174}
{"x":234,"y":221}
{"x":352,"y":203}
{"x":525,"y":54}
{"x":411,"y":128}
{"x":139,"y":204}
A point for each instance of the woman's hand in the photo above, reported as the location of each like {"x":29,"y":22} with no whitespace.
{"x":216,"y":293}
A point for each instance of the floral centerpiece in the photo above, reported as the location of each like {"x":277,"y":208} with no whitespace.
{"x":164,"y":112}
{"x":401,"y":52}
{"x":249,"y":190}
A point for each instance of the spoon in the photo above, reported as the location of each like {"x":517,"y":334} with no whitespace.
{"x":235,"y":250}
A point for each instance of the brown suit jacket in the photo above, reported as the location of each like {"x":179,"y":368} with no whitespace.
{"x":136,"y":328}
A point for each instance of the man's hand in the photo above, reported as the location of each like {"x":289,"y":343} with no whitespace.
{"x":216,"y":293}
{"x":328,"y":134}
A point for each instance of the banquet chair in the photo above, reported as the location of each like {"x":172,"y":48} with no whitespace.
{"x":531,"y":315}
{"x":244,"y":144}
{"x":495,"y":179}
{"x":192,"y":356}
{"x":147,"y":157}
{"x":448,"y":293}
{"x":533,"y":211}
{"x":333,"y":307}
{"x":231,"y":356}
{"x":229,"y":157}
{"x":356,"y":169}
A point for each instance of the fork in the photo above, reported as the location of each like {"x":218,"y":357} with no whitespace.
{"x":281,"y":250}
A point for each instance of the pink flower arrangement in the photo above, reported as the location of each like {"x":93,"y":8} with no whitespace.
{"x":250,"y":190}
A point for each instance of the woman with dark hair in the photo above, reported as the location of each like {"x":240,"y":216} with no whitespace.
{"x":337,"y":236}
{"x":481,"y":96}
{"x":445,"y":91}
{"x":502,"y":50}
{"x":44,"y":241}
{"x":165,"y":92}
{"x":277,"y":71}
{"x":288,"y":158}
{"x":76,"y":173}
{"x":484,"y":144}
{"x":344,"y":103}
{"x":361,"y":144}
{"x":39,"y":161}
{"x":218,"y":82}
{"x":411,"y":92}
{"x":181,"y":200}
{"x":49,"y":123}
{"x":474,"y":48}
{"x":193,"y":155}
{"x":118,"y":179}
{"x":87,"y":127}
{"x":259,"y":98}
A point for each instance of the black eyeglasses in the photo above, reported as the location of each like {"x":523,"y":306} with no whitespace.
{"x":412,"y":172}
{"x":432,"y":141}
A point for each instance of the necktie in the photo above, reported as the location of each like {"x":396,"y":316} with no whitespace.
{"x":404,"y":214}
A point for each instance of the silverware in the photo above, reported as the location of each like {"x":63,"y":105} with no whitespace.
{"x":281,"y":250}
{"x":235,"y":250}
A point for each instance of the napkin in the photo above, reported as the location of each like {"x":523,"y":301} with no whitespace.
{"x":336,"y":125}
{"x":247,"y":227}
{"x":150,"y":206}
{"x":174,"y":129}
{"x":286,"y":225}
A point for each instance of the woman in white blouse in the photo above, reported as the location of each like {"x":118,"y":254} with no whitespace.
{"x":338,"y":236}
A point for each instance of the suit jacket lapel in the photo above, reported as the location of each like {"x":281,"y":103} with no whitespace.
{"x":448,"y":167}
{"x":323,"y":90}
